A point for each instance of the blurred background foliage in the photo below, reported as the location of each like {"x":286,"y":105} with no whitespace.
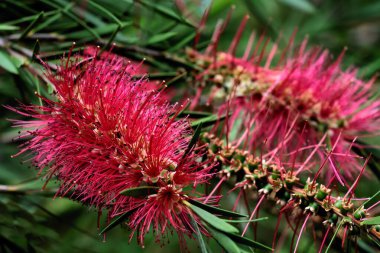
{"x":30,"y":220}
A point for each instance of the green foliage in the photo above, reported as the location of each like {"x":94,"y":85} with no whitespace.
{"x":31,"y":221}
{"x":214,"y":221}
{"x":215,"y":210}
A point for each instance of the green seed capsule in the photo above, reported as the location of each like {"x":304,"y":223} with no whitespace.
{"x":286,"y":196}
{"x":214,"y":148}
{"x":321,"y":195}
{"x":266,"y":189}
{"x":338,"y":204}
{"x":333,"y":219}
{"x":275,"y":174}
{"x":359,"y":214}
{"x":252,"y":166}
{"x":322,"y":192}
{"x":343,"y":207}
{"x":205,"y":139}
{"x":240,"y":157}
{"x":312,"y":207}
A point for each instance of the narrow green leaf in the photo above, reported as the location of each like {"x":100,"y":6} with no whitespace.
{"x":58,"y":53}
{"x":194,"y":114}
{"x":7,"y":63}
{"x":208,"y":121}
{"x":161,"y":75}
{"x":193,"y":141}
{"x":374,"y":239}
{"x":365,"y":247}
{"x":103,"y":30}
{"x":370,"y":199}
{"x":246,"y":221}
{"x":333,"y":237}
{"x":183,"y":43}
{"x":31,"y":18}
{"x":32,"y":25}
{"x":36,"y":50}
{"x":180,"y":61}
{"x":215,"y":210}
{"x":70,"y":15}
{"x":141,"y":191}
{"x":201,"y":242}
{"x":20,"y":4}
{"x":248,"y":242}
{"x":224,"y":241}
{"x":37,"y":83}
{"x":176,"y":78}
{"x":371,"y":221}
{"x":83,"y":24}
{"x":302,"y":5}
{"x":370,"y":69}
{"x":117,"y":221}
{"x":111,"y":38}
{"x":4,"y":27}
{"x":213,"y":220}
{"x":164,"y":11}
{"x":156,"y":76}
{"x":105,"y":12}
{"x":48,"y":22}
{"x":160,"y":37}
{"x":203,"y":45}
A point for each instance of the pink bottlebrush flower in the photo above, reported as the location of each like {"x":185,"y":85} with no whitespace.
{"x":291,"y":105}
{"x":107,"y":132}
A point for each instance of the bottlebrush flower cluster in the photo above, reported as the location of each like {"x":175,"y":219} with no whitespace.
{"x":300,"y":101}
{"x":108,"y":132}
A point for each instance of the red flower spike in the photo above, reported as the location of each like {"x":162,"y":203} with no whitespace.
{"x":305,"y":87}
{"x":107,"y":132}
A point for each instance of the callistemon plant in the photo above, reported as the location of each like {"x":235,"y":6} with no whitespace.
{"x":267,"y":146}
{"x":114,"y":143}
{"x":111,"y":141}
{"x":298,"y":102}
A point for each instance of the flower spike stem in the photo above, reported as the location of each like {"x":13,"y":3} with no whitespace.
{"x":279,"y":184}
